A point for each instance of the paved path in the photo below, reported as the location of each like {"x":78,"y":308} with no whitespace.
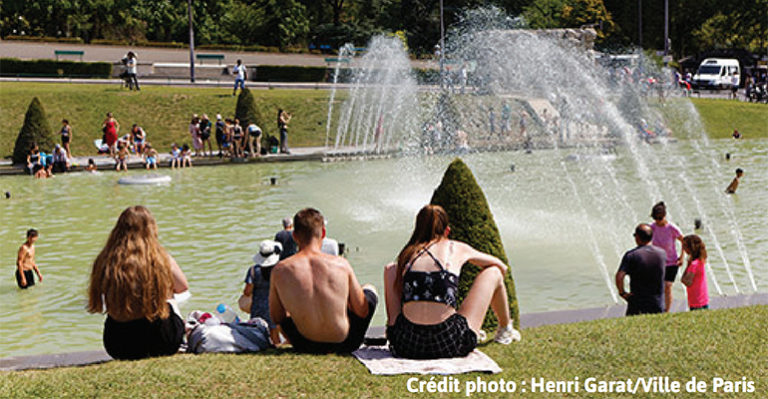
{"x":150,"y":55}
{"x":526,"y":320}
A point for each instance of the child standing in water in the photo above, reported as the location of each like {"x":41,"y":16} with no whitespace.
{"x":694,"y":278}
{"x":25,"y":262}
{"x":664,"y":235}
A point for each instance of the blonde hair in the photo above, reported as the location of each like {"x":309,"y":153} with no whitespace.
{"x":131,"y":277}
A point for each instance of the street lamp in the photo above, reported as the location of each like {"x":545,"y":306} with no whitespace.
{"x":191,"y":44}
{"x":442,"y":45}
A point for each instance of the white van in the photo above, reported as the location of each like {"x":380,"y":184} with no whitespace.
{"x":716,"y":73}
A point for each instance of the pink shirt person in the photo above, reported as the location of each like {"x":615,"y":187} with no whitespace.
{"x":698,"y":293}
{"x":664,"y":237}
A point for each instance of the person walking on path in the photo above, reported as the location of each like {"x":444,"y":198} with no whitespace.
{"x":111,"y":127}
{"x":66,"y":136}
{"x":25,"y":262}
{"x":645,"y":267}
{"x":132,"y":65}
{"x":665,"y":233}
{"x":282,"y":125}
{"x":240,"y":76}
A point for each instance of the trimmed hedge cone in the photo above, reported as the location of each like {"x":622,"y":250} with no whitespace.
{"x":34,"y":130}
{"x":471,"y":222}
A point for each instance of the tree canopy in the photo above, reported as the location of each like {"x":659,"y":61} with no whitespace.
{"x":694,"y":25}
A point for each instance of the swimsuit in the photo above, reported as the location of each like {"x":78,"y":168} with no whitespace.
{"x":64,"y":135}
{"x":450,"y":338}
{"x":28,"y":275}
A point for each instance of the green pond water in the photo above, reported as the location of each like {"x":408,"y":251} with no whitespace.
{"x":564,"y":222}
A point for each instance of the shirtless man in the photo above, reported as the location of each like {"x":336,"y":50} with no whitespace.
{"x":26,"y":262}
{"x":731,"y":189}
{"x":315,"y":297}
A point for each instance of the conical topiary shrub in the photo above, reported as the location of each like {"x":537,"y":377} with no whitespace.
{"x":246,"y":110}
{"x":34,"y":130}
{"x":471,"y":222}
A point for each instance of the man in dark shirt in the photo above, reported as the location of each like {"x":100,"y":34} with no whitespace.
{"x":285,"y":237}
{"x":645,"y":266}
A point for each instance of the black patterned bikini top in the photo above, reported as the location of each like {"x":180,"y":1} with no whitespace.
{"x":437,"y":286}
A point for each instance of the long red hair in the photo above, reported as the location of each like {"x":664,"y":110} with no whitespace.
{"x":431,"y":223}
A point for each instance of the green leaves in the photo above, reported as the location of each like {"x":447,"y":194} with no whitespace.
{"x":35,"y":131}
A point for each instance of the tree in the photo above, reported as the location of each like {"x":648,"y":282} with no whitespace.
{"x":34,"y":131}
{"x":246,"y":110}
{"x":337,"y":6}
{"x":472,"y":222}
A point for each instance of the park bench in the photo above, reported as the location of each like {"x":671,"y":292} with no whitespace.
{"x":57,"y":53}
{"x":219,"y":57}
{"x":336,"y":59}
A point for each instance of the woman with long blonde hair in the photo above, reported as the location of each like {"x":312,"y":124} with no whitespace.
{"x":133,"y":281}
{"x":425,"y":320}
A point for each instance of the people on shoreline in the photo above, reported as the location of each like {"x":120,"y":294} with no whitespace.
{"x":665,"y":233}
{"x":60,"y":161}
{"x":139,"y":138}
{"x":91,"y":167}
{"x":257,"y":284}
{"x":150,"y":157}
{"x":285,"y":238}
{"x":34,"y":160}
{"x":315,"y":298}
{"x":66,"y":136}
{"x":205,"y":134}
{"x":221,"y":128}
{"x":133,"y":281}
{"x":731,"y":189}
{"x":236,"y":135}
{"x":283,"y":118}
{"x":694,"y":278}
{"x":25,"y":262}
{"x":194,"y":132}
{"x":254,"y":134}
{"x":175,"y":156}
{"x":122,"y":158}
{"x":645,"y":266}
{"x":186,"y":156}
{"x":424,"y":319}
{"x":110,"y":127}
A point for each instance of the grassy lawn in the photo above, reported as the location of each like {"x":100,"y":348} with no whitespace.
{"x":720,"y":117}
{"x":164,"y":112}
{"x":729,"y":344}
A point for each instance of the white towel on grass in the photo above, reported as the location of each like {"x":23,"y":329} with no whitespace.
{"x":379,"y":361}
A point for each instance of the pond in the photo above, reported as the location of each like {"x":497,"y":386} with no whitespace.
{"x":565,"y":219}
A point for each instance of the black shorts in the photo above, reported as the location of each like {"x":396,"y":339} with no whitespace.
{"x":28,"y":275}
{"x":138,"y":339}
{"x":671,"y":273}
{"x":64,"y":139}
{"x":358,"y":326}
{"x":450,"y":338}
{"x":644,"y":305}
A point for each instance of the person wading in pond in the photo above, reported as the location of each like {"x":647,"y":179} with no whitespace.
{"x":424,"y":319}
{"x":133,"y":280}
{"x":25,"y":262}
{"x":645,"y":267}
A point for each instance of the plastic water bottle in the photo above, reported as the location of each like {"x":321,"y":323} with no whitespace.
{"x":226,"y":314}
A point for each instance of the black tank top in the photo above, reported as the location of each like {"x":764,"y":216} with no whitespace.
{"x":439,"y":286}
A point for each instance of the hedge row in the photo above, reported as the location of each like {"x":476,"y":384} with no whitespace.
{"x":45,"y":39}
{"x":287,"y":73}
{"x":14,"y":66}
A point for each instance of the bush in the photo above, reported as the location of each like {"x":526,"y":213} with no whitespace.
{"x":246,"y":110}
{"x":76,"y":40}
{"x":35,"y":130}
{"x":14,"y":66}
{"x":471,"y":222}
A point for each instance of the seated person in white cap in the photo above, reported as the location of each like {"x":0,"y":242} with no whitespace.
{"x":257,"y":285}
{"x":315,"y":298}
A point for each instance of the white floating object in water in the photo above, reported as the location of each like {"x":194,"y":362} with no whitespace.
{"x":144,"y":179}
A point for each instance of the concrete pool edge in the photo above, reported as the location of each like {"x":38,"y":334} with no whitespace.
{"x":528,"y":320}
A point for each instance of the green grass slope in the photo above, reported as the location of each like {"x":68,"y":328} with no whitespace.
{"x":728,"y":344}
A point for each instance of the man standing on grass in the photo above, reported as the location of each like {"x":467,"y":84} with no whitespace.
{"x":315,"y":298}
{"x":645,"y":266}
{"x":25,"y":262}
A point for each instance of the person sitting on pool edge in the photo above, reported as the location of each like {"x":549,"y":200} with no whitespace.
{"x":133,"y":280}
{"x":425,"y":320}
{"x":329,"y":310}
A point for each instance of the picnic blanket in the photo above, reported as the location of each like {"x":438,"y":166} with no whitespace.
{"x":380,"y":361}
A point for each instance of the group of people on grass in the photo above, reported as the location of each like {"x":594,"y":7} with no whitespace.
{"x":310,"y":298}
{"x":653,"y":266}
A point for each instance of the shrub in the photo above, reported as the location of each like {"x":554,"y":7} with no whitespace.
{"x":246,"y":110}
{"x":471,"y":222}
{"x":75,"y":40}
{"x":270,"y":73}
{"x":34,"y":130}
{"x":14,"y":66}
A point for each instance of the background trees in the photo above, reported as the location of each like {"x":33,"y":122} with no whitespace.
{"x":695,"y":25}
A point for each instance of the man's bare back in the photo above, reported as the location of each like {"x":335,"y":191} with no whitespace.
{"x":314,"y":291}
